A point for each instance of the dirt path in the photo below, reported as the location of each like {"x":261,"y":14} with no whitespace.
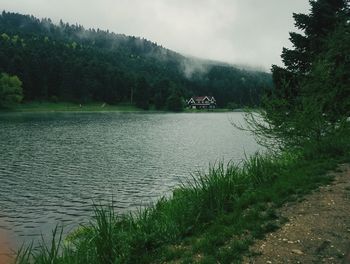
{"x":317,"y":230}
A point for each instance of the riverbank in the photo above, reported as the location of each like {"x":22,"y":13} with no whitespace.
{"x":214,"y":218}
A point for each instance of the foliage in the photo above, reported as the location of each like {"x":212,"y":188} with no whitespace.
{"x":310,"y":97}
{"x":329,"y":79}
{"x":74,"y":64}
{"x":142,"y":94}
{"x":232,"y":105}
{"x":10,"y":90}
{"x":162,"y":91}
{"x":175,"y":102}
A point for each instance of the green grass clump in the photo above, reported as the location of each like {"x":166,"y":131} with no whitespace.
{"x":212,"y":218}
{"x":46,"y":106}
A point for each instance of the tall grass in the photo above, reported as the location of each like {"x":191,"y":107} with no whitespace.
{"x":44,"y":253}
{"x":212,"y":218}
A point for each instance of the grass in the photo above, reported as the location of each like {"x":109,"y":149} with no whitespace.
{"x":71,"y":107}
{"x":213,"y":218}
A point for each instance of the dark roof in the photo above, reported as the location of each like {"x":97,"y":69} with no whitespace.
{"x":199,"y":99}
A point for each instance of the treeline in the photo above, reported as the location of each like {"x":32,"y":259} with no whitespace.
{"x":69,"y":63}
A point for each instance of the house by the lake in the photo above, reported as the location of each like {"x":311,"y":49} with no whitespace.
{"x":202,"y":102}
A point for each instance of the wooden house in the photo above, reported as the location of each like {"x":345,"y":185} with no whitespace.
{"x":202,"y":102}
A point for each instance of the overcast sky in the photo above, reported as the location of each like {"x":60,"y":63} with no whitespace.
{"x":245,"y":32}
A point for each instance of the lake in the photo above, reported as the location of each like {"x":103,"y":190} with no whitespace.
{"x":54,"y":166}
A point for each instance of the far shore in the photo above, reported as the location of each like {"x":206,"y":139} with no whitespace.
{"x":71,"y":107}
{"x":97,"y":107}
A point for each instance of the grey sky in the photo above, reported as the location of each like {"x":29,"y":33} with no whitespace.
{"x":247,"y":32}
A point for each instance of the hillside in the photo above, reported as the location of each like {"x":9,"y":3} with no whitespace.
{"x":70,"y":63}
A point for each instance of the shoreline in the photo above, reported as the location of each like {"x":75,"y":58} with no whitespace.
{"x":64,"y":107}
{"x":69,"y":107}
{"x":97,"y":108}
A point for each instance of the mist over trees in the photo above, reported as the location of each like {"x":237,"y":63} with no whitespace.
{"x":69,"y":63}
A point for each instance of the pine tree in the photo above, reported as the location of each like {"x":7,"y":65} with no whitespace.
{"x":310,"y":97}
{"x":324,"y":17}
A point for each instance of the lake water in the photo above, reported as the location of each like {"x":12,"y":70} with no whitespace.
{"x":54,"y":166}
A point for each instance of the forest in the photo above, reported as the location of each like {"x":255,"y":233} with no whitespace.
{"x":63,"y":62}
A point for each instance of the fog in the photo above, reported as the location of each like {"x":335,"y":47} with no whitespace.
{"x":242,"y":32}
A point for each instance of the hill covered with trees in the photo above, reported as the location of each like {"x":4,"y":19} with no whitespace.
{"x":70,"y":63}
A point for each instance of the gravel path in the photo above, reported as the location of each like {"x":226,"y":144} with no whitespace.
{"x":317,"y":230}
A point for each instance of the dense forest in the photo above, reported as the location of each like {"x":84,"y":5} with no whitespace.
{"x":69,"y":63}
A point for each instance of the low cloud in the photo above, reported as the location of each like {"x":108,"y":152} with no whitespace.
{"x":240,"y":32}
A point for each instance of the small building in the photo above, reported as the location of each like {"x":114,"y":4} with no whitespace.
{"x":202,"y":102}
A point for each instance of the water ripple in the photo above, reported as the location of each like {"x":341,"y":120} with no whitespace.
{"x":54,"y":167}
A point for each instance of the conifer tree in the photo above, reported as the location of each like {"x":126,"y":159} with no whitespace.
{"x":325,"y":16}
{"x":310,"y":97}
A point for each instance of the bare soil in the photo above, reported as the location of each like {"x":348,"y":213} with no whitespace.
{"x":6,"y":255}
{"x":317,"y":229}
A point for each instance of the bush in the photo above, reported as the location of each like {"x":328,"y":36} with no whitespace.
{"x":10,"y":90}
